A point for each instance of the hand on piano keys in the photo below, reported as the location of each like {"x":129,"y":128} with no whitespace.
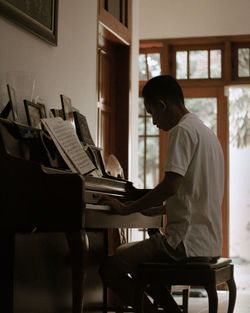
{"x":117,"y":206}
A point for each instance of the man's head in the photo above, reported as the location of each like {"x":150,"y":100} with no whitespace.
{"x":163,"y":99}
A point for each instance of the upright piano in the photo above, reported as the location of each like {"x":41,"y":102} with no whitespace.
{"x":53,"y":231}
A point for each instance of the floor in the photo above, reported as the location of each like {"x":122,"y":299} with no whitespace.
{"x":200,"y":305}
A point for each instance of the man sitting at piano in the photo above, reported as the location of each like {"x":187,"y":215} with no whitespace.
{"x":191,"y":191}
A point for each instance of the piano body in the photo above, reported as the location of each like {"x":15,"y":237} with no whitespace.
{"x":53,"y":232}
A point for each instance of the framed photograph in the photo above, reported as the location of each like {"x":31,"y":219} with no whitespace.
{"x":82,"y":129}
{"x":34,"y":113}
{"x":95,"y":154}
{"x":38,"y":17}
{"x":12,"y":102}
{"x":67,"y":110}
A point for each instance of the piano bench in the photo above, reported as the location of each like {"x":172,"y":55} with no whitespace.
{"x":192,"y":273}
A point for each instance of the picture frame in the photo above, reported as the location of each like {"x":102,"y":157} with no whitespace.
{"x":38,"y":17}
{"x":67,"y":110}
{"x":12,"y":102}
{"x":34,"y":113}
{"x":82,"y":129}
{"x":95,"y":154}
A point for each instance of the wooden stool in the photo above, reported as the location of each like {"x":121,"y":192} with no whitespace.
{"x":192,"y":273}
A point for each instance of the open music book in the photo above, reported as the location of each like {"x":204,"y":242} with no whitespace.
{"x":68,"y":144}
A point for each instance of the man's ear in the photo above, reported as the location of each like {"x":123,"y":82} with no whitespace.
{"x":163,"y":103}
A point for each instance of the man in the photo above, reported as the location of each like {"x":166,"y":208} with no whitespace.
{"x":192,"y":190}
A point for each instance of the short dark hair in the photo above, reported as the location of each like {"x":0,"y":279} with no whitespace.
{"x":163,"y":86}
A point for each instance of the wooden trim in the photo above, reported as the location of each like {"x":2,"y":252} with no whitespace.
{"x":227,"y":44}
{"x":227,"y":64}
{"x":223,"y":135}
{"x":166,"y":55}
{"x":196,"y":40}
{"x":150,"y":50}
{"x":113,"y":29}
{"x":163,"y":152}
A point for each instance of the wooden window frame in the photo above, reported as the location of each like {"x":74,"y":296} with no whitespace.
{"x":228,"y":45}
{"x":145,"y":135}
{"x":189,"y":48}
{"x":113,"y":29}
{"x":235,"y":48}
{"x":150,"y":51}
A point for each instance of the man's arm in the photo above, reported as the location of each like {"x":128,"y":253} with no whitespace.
{"x":165,"y":189}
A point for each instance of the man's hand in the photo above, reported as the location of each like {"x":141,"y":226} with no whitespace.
{"x":117,"y":206}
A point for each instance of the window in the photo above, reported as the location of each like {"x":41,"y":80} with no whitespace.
{"x":241,"y":54}
{"x":243,"y":62}
{"x":149,"y":65}
{"x":206,"y":109}
{"x":148,"y":149}
{"x":118,"y":9}
{"x":115,"y":20}
{"x":198,"y":64}
{"x":148,"y":141}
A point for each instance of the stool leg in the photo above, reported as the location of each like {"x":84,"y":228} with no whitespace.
{"x":232,"y":294}
{"x":139,"y":295}
{"x":212,"y":298}
{"x":185,"y":298}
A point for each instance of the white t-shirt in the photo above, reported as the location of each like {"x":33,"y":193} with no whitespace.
{"x":194,"y":212}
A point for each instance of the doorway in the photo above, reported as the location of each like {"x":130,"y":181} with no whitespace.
{"x":113,"y":100}
{"x":210,"y":105}
{"x":239,"y":151}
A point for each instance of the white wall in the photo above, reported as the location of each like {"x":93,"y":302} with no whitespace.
{"x":69,"y":68}
{"x":193,"y":18}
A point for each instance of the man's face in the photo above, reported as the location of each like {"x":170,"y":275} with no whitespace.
{"x":161,"y":113}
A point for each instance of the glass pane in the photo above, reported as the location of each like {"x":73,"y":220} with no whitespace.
{"x":205,"y":109}
{"x":243,"y":62}
{"x":239,"y":98}
{"x":142,"y":67}
{"x":198,"y":64}
{"x":215,"y":63}
{"x":151,"y":129}
{"x":136,"y":234}
{"x":154,"y":64}
{"x":141,"y":128}
{"x":152,"y":168}
{"x":239,"y":149}
{"x":141,"y":109}
{"x":114,"y":8}
{"x":124,"y":14}
{"x":141,"y":162}
{"x":181,"y":65}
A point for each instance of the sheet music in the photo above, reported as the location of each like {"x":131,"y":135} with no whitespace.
{"x":68,"y":144}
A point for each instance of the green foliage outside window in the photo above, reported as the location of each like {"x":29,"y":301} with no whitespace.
{"x":239,"y":98}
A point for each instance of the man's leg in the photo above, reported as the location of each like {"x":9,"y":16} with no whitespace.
{"x":122,"y":284}
{"x":114,"y":271}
